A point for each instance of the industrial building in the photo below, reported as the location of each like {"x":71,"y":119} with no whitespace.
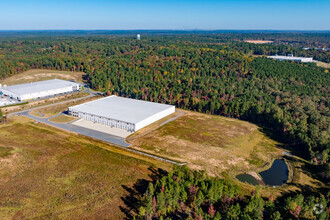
{"x":290,"y":57}
{"x":124,"y":113}
{"x":39,"y":89}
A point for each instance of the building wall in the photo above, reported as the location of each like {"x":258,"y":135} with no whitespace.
{"x":10,"y":94}
{"x":154,"y":118}
{"x":121,"y":124}
{"x":102,"y":120}
{"x":41,"y":94}
{"x":296,"y":59}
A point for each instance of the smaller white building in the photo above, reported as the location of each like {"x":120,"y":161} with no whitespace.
{"x":292,"y":58}
{"x":124,"y":113}
{"x":39,"y":89}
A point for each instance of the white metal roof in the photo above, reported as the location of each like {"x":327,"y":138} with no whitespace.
{"x":290,"y":57}
{"x":40,"y":86}
{"x":122,"y":109}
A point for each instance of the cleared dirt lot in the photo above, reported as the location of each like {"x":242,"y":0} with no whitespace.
{"x":258,"y":41}
{"x":42,"y":74}
{"x":322,"y":64}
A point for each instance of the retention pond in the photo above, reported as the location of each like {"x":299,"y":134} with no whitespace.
{"x":276,"y":175}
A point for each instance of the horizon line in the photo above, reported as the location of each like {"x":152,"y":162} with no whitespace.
{"x":195,"y":29}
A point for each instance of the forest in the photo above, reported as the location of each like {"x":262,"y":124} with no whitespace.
{"x":183,"y":194}
{"x":214,"y":73}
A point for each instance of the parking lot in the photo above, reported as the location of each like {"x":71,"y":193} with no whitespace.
{"x":102,"y":128}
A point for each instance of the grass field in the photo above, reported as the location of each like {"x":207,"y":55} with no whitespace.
{"x":62,"y":119}
{"x":215,"y":143}
{"x":42,"y":74}
{"x":48,"y":173}
{"x":54,"y":110}
{"x":224,"y":147}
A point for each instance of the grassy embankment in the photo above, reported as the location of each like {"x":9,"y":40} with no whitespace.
{"x":223,"y":146}
{"x":62,"y":119}
{"x":48,"y":173}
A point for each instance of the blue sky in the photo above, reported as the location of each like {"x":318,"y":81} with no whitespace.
{"x":166,"y":14}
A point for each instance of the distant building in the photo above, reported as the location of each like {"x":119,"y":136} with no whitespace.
{"x":138,"y":37}
{"x":123,"y":113}
{"x":39,"y":89}
{"x":290,"y":57}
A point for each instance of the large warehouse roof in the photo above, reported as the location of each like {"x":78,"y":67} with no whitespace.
{"x":40,"y":86}
{"x":122,"y":109}
{"x":292,"y":58}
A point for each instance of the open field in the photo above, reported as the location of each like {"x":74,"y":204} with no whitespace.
{"x":322,"y":64}
{"x":48,"y":173}
{"x":224,"y":147}
{"x":54,"y":110}
{"x":42,"y":74}
{"x":214,"y":143}
{"x":43,"y":102}
{"x":62,"y":119}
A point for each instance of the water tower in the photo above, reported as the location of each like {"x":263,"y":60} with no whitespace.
{"x":138,"y":37}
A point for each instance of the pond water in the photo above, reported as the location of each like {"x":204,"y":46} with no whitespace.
{"x":247,"y":178}
{"x":277,"y":175}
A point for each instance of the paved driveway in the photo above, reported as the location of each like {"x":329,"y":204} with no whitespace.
{"x":102,"y":128}
{"x":80,"y":130}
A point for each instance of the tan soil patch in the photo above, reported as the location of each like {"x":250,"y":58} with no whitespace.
{"x":41,"y":74}
{"x":258,"y":41}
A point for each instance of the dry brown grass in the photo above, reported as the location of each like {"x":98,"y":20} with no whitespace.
{"x":62,"y":119}
{"x":217,"y":144}
{"x":41,"y":74}
{"x":322,"y":64}
{"x":54,"y":110}
{"x":48,"y":173}
{"x":224,"y":147}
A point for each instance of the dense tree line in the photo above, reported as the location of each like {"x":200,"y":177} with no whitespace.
{"x":182,"y":194}
{"x":207,"y":73}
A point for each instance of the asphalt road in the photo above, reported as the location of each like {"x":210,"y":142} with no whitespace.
{"x":57,"y":103}
{"x":79,"y":130}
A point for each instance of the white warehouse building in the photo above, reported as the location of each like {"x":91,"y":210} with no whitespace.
{"x":124,"y":113}
{"x":39,"y":89}
{"x":292,"y":58}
